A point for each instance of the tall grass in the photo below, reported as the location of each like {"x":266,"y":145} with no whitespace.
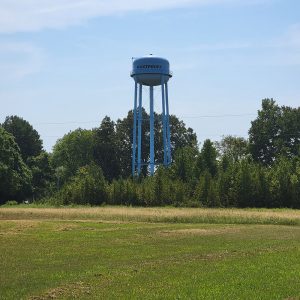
{"x":157,"y":215}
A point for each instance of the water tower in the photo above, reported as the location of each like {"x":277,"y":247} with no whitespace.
{"x":150,"y":71}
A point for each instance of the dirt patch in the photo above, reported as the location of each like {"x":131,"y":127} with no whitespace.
{"x":66,"y":227}
{"x":198,"y":231}
{"x":73,"y":290}
{"x":78,"y":226}
{"x":19,"y":226}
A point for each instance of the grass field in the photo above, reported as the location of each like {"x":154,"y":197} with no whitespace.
{"x":149,"y":253}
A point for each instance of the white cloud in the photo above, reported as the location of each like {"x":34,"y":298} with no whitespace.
{"x":291,"y":38}
{"x":18,"y":60}
{"x":34,"y":15}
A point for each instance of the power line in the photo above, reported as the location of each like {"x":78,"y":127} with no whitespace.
{"x":213,"y":134}
{"x":67,"y":122}
{"x":183,"y":117}
{"x":216,"y":116}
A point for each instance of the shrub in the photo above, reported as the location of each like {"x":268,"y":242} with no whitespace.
{"x":11,"y":203}
{"x":88,"y":186}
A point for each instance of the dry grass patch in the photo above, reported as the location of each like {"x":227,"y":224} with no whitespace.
{"x":66,"y":227}
{"x":72,"y":290}
{"x":198,"y":231}
{"x":18,"y":226}
{"x":172,"y":215}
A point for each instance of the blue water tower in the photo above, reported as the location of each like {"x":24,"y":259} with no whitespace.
{"x":150,"y":71}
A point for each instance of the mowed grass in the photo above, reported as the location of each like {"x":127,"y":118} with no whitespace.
{"x":155,"y":253}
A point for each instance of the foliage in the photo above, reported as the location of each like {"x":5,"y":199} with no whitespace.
{"x":105,"y":149}
{"x":71,"y":152}
{"x":181,"y":136}
{"x":275,"y":132}
{"x":124,"y":136}
{"x":234,"y":148}
{"x":184,"y":167}
{"x":207,"y":160}
{"x":15,"y":176}
{"x":42,"y":175}
{"x":88,"y":186}
{"x":25,"y":136}
{"x":11,"y":203}
{"x":123,"y":192}
{"x":94,"y":166}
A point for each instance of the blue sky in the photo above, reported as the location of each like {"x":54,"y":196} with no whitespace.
{"x":65,"y":64}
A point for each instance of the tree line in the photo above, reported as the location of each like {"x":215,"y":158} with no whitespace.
{"x":94,"y":166}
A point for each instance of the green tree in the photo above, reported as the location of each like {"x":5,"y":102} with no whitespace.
{"x":261,"y":187}
{"x":25,"y":136}
{"x":263,"y":134}
{"x":289,"y":134}
{"x":124,"y":192}
{"x":235,"y":148}
{"x":71,"y":152}
{"x":280,"y":183}
{"x":147,"y":189}
{"x":124,"y":137}
{"x":15,"y":176}
{"x":206,"y":191}
{"x":244,"y":185}
{"x":88,"y":186}
{"x":180,"y":136}
{"x":275,"y":132}
{"x":42,"y":175}
{"x":207,"y":160}
{"x":124,"y":144}
{"x":295,"y":185}
{"x":185,"y":163}
{"x":162,"y":187}
{"x":226,"y":182}
{"x":105,"y":149}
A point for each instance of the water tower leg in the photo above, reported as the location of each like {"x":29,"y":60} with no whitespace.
{"x":134,"y":131}
{"x":164,"y":120}
{"x":140,"y":130}
{"x":151,"y":132}
{"x":168,"y":125}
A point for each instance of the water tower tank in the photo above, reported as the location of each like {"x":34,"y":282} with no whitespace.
{"x":151,"y":70}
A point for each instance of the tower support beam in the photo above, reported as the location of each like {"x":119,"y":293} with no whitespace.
{"x":169,"y":156}
{"x":151,"y":132}
{"x":140,"y":117}
{"x":164,"y":120}
{"x":134,"y":130}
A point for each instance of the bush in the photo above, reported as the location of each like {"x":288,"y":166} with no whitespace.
{"x":123,"y":192}
{"x":11,"y":203}
{"x":88,"y":186}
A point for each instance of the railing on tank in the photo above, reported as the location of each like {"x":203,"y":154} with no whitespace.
{"x":170,"y":73}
